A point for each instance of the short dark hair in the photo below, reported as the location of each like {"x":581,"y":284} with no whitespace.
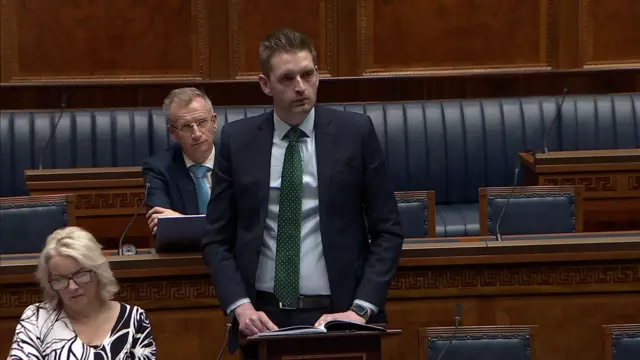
{"x":283,"y":40}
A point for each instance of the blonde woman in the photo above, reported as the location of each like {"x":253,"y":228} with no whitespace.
{"x":78,"y":318}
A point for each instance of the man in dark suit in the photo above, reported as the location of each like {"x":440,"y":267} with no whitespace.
{"x":180,"y":177}
{"x":303,"y":225}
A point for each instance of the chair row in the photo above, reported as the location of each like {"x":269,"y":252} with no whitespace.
{"x":453,"y":147}
{"x":531,"y":210}
{"x":620,"y":342}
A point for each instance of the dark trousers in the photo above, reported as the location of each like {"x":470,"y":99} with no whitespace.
{"x":284,"y":318}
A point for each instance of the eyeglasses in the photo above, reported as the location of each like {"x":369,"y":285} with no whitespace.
{"x":80,"y":278}
{"x":201,"y":124}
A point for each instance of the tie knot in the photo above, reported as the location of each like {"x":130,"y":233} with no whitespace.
{"x":294,"y":134}
{"x":198,"y":171}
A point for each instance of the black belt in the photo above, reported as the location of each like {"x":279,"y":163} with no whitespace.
{"x":303,"y":302}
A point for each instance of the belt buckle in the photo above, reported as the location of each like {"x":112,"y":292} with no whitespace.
{"x":284,"y":307}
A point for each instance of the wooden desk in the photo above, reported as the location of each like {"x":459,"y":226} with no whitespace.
{"x":569,"y":285}
{"x":611,"y":181}
{"x":106,"y":197}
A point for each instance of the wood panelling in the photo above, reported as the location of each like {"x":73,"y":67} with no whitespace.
{"x":249,"y":26}
{"x":610,"y":33}
{"x":400,"y":37}
{"x":122,"y":53}
{"x":67,"y":41}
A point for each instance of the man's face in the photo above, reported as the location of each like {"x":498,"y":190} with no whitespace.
{"x":293,"y":83}
{"x":194,"y":128}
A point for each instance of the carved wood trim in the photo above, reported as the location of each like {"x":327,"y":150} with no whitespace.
{"x":328,"y":35}
{"x":10,"y":64}
{"x":634,"y":182}
{"x":8,"y":39}
{"x":510,"y":280}
{"x":586,"y":41}
{"x":433,"y":282}
{"x":148,"y":293}
{"x":588,"y":183}
{"x":622,"y":328}
{"x":101,"y":201}
{"x":236,"y":46}
{"x":201,"y":26}
{"x":447,"y":331}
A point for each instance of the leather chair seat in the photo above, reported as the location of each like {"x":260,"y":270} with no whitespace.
{"x":19,"y":235}
{"x":511,"y":342}
{"x":455,"y":220}
{"x":532,"y":210}
{"x":625,"y":346}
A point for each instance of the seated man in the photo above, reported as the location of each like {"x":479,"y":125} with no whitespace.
{"x":180,"y":177}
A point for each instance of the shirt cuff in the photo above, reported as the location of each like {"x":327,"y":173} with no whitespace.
{"x":373,"y":308}
{"x":236,"y":304}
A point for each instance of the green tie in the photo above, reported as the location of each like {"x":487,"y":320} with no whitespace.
{"x":287,"y":277}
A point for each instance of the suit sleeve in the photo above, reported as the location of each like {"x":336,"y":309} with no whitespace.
{"x":219,"y":240}
{"x":157,"y":195}
{"x":383,"y":222}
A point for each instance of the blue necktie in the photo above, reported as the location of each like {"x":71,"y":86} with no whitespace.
{"x":202,"y":190}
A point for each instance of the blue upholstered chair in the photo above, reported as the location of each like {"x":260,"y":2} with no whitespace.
{"x":479,"y":343}
{"x":27,"y":221}
{"x":621,"y":342}
{"x":417,"y":213}
{"x":531,"y":209}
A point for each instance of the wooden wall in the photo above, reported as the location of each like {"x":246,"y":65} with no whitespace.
{"x":109,"y":53}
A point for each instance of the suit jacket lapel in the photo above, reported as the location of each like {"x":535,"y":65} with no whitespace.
{"x":185,"y":184}
{"x":262,"y":162}
{"x":324,"y":155}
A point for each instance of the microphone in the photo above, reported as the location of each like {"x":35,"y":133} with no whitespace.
{"x":63,"y":105}
{"x":130,"y":249}
{"x":455,"y":329}
{"x":513,"y":188}
{"x":555,"y":117}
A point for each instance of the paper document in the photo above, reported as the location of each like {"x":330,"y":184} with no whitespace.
{"x":329,"y":326}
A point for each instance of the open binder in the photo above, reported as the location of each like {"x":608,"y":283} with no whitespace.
{"x":329,"y":326}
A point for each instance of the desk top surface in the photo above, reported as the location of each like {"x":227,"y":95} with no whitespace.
{"x":416,"y":252}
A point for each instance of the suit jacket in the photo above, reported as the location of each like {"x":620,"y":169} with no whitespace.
{"x":170,"y":183}
{"x":356,"y":202}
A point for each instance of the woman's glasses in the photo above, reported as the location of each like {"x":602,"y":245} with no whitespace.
{"x":61,"y":283}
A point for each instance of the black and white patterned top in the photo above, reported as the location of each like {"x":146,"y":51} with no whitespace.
{"x":44,"y":333}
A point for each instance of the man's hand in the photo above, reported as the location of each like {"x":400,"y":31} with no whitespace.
{"x":155,"y":213}
{"x":253,"y":322}
{"x":345,"y":316}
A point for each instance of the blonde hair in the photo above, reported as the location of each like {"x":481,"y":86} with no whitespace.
{"x":80,"y":245}
{"x":182,"y":97}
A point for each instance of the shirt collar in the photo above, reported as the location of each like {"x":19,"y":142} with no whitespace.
{"x":208,"y":163}
{"x":307,"y":125}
